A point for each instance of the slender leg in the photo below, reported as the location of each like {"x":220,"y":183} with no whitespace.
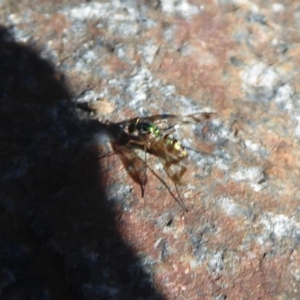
{"x":178,"y":200}
{"x":107,"y":154}
{"x":145,"y":169}
{"x":175,"y":176}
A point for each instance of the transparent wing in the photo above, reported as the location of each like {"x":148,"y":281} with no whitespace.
{"x":134,"y":165}
{"x":181,"y":119}
{"x":174,"y":119}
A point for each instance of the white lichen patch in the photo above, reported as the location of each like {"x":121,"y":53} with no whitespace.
{"x":15,"y":19}
{"x":148,"y":51}
{"x":284,"y":97}
{"x":278,"y":7}
{"x":20,"y":35}
{"x":138,"y":86}
{"x":254,"y":176}
{"x":295,"y":271}
{"x":114,"y":17}
{"x":260,"y":82}
{"x":182,"y":8}
{"x":223,"y":159}
{"x":90,"y":11}
{"x":278,"y":226}
{"x":89,"y":96}
{"x":215,"y":263}
{"x":297,"y":128}
{"x":232,"y":208}
{"x":256,"y":148}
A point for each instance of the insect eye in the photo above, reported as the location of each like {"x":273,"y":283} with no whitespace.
{"x":144,"y":129}
{"x":133,"y":126}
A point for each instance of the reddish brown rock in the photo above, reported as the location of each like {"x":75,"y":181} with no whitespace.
{"x":74,"y":224}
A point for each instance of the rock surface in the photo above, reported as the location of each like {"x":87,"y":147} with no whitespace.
{"x":73,"y":222}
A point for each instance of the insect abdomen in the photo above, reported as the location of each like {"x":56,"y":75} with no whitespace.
{"x":174,"y":146}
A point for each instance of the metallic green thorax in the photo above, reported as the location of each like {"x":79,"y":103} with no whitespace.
{"x":149,"y":127}
{"x":143,"y":127}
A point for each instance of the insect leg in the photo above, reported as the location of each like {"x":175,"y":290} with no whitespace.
{"x":107,"y":154}
{"x":145,"y":169}
{"x":179,"y":196}
{"x":178,"y":200}
{"x":175,"y":171}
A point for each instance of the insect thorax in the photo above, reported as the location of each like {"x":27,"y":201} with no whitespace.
{"x":148,"y":128}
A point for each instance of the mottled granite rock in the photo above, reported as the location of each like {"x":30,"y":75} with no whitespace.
{"x":73,"y":226}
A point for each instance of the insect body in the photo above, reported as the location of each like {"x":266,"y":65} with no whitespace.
{"x":147,"y":133}
{"x":162,"y":145}
{"x":147,"y":128}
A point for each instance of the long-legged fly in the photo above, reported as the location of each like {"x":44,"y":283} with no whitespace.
{"x":148,"y":134}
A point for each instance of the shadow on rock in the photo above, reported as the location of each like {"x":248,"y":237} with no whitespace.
{"x":57,"y":234}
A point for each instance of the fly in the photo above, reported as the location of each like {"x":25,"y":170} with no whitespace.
{"x":168,"y":149}
{"x":151,"y":135}
{"x":164,"y":145}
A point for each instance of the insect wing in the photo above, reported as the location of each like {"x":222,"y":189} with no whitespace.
{"x":198,"y":117}
{"x":171,"y":120}
{"x":134,"y":165}
{"x":183,"y":119}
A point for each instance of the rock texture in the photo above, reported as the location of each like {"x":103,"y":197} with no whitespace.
{"x":73,"y":224}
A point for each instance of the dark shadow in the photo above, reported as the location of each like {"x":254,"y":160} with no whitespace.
{"x":57,"y":231}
